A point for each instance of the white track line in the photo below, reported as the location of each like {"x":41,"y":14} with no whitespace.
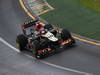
{"x":47,"y":63}
{"x":9,"y":45}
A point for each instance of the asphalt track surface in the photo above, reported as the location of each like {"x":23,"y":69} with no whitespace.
{"x":82,"y":58}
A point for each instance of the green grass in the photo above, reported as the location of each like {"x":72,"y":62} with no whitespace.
{"x":93,"y":4}
{"x":76,"y":17}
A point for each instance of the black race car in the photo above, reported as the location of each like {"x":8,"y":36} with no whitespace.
{"x":47,"y":42}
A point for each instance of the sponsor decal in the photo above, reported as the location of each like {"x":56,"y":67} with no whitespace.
{"x":65,"y":42}
{"x":44,"y":50}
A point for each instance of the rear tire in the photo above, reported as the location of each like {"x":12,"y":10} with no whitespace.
{"x":21,"y":42}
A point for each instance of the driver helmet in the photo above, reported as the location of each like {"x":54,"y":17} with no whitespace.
{"x":39,"y":26}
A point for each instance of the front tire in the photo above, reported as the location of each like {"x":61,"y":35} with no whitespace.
{"x":21,"y":42}
{"x":35,"y":47}
{"x":67,"y":35}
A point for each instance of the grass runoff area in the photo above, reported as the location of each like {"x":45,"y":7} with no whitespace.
{"x":93,"y":4}
{"x":79,"y":16}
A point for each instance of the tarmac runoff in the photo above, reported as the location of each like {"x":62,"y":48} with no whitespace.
{"x":87,"y":40}
{"x":44,"y":62}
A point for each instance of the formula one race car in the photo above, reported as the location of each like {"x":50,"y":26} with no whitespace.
{"x":43,"y":39}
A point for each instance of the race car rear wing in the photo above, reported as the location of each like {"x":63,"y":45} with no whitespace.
{"x":29,"y":24}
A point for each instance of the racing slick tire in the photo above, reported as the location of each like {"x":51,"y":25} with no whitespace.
{"x":66,"y":35}
{"x":21,"y":42}
{"x":35,"y":47}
